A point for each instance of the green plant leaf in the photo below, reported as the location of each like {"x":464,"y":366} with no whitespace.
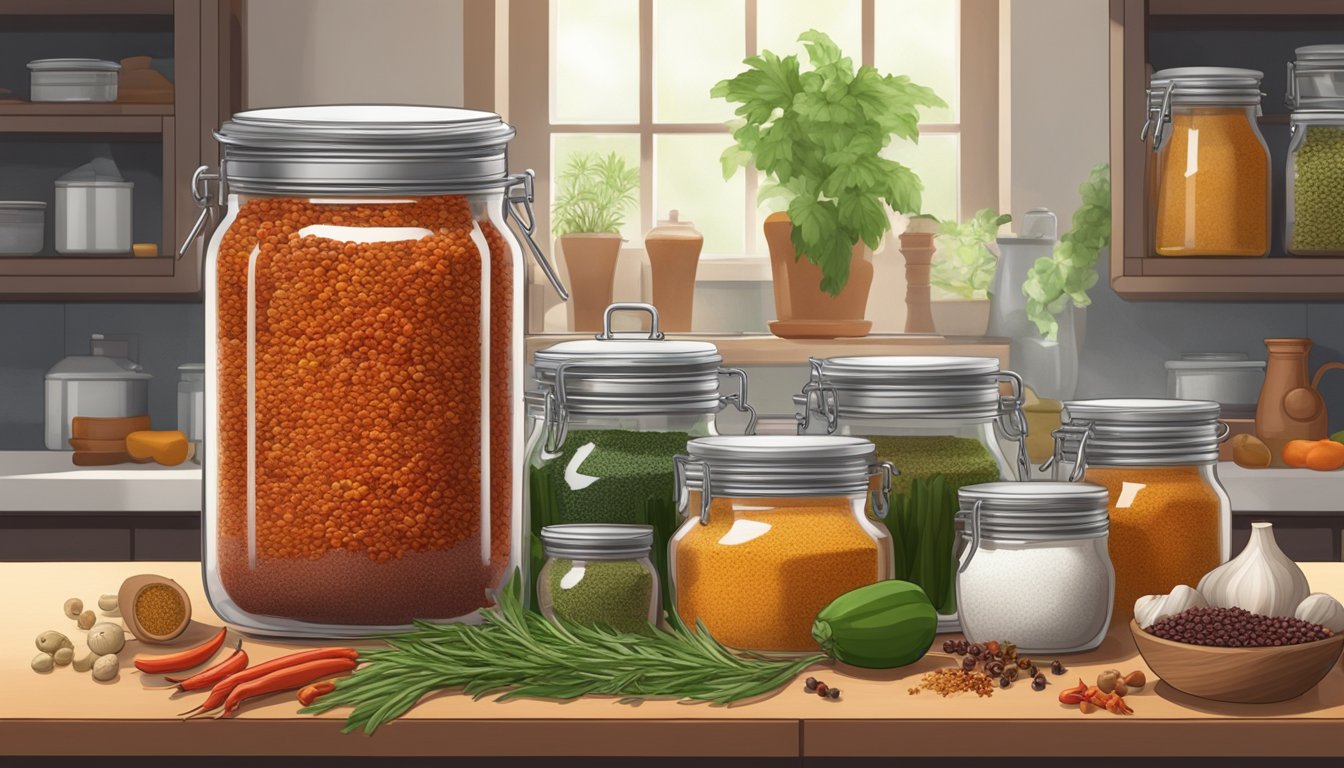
{"x":593,"y":194}
{"x":1063,"y":278}
{"x":864,"y":215}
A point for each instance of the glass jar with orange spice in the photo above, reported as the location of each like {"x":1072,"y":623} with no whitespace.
{"x":778,"y":527}
{"x":1209,"y":179}
{"x":1170,"y":519}
{"x":363,"y":368}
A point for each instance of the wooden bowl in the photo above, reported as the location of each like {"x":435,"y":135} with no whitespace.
{"x":1239,"y":675}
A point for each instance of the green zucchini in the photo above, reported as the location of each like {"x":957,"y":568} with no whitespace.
{"x":881,"y":626}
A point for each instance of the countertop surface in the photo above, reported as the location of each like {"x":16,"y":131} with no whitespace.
{"x":1287,"y":491}
{"x":47,"y":481}
{"x":64,"y":712}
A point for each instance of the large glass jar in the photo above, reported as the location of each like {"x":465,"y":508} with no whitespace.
{"x":1209,"y":179}
{"x":939,"y":420}
{"x":1314,"y":184}
{"x":616,"y":410}
{"x":363,"y":369}
{"x":1035,"y":566}
{"x":599,"y":575}
{"x":778,"y":527}
{"x":1170,"y":519}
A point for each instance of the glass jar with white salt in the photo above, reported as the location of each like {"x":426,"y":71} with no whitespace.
{"x":1034,"y":568}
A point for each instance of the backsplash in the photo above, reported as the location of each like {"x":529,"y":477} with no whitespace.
{"x":34,"y":336}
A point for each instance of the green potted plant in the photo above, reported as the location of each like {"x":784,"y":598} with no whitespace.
{"x":1062,"y":280}
{"x":592,"y":196}
{"x":817,"y":136}
{"x":963,"y":267}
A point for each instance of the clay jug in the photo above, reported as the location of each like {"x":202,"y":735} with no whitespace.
{"x":674,"y":253}
{"x":590,"y":263}
{"x":802,"y":309}
{"x":1290,"y":408}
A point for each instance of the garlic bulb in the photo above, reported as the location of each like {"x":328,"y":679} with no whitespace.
{"x":1261,"y":579}
{"x":1320,"y":608}
{"x":1150,"y":609}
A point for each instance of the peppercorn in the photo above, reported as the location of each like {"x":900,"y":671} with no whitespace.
{"x":1038,"y":684}
{"x":1033,"y":672}
{"x":1010,"y":672}
{"x":810,"y":685}
{"x":992,"y":647}
{"x":994,"y":668}
{"x":976,"y":650}
{"x":1004,"y":682}
{"x":1024,"y":663}
{"x":822,"y":688}
{"x":833,"y":694}
{"x":962,"y":647}
{"x":949,"y":646}
{"x":968,"y":663}
{"x":1056,"y":667}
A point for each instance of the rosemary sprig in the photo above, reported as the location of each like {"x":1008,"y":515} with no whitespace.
{"x":517,"y":653}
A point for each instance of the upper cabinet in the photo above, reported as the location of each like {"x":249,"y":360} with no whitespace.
{"x":122,"y":165}
{"x":1212,"y":204}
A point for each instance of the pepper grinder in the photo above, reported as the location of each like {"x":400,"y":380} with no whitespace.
{"x":674,"y":254}
{"x":917,"y":247}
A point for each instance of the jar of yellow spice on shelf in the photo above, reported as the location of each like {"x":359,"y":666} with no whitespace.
{"x":1170,"y":519}
{"x":1209,"y":180}
{"x":777,"y":527}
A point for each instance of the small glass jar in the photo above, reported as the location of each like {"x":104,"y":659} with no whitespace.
{"x":939,"y":421}
{"x":1170,"y":519}
{"x":779,"y":528}
{"x":1035,"y":567}
{"x":1209,"y":181}
{"x":1314,"y":184}
{"x":191,"y":405}
{"x":615,"y":410}
{"x":599,"y":575}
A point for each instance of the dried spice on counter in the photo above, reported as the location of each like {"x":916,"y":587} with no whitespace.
{"x":946,"y":682}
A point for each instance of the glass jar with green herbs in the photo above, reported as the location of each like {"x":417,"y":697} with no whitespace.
{"x":610,"y":414}
{"x":944,"y":423}
{"x":1314,"y":184}
{"x":599,"y":576}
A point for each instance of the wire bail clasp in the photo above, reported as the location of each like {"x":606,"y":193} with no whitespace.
{"x":200,"y":193}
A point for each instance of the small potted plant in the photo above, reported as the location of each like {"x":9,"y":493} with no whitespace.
{"x":818,"y":137}
{"x":1063,"y":279}
{"x":592,"y":196}
{"x":963,"y":267}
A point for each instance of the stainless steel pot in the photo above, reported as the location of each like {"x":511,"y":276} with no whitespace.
{"x":98,"y":385}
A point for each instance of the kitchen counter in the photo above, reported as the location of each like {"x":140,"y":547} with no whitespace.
{"x":1291,"y":491}
{"x":46,"y":481}
{"x":67,"y":713}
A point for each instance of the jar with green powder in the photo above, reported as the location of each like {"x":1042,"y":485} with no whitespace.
{"x":1314,"y":179}
{"x":599,"y":576}
{"x":944,"y":422}
{"x":609,"y":414}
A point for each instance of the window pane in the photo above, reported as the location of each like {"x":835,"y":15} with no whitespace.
{"x":687,"y":177}
{"x":780,"y":22}
{"x":594,"y":61}
{"x":626,"y":145}
{"x":922,"y":40}
{"x":935,"y":160}
{"x":696,"y":43}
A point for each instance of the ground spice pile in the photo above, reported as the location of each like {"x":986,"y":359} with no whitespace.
{"x":159,"y":609}
{"x":946,"y":682}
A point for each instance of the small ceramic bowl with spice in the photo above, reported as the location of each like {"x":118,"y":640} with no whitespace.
{"x":155,"y":608}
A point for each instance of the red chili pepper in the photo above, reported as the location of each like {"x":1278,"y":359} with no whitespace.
{"x":234,"y":662}
{"x":176,"y":662}
{"x":224,"y":687}
{"x":310,"y":693}
{"x":284,"y":680}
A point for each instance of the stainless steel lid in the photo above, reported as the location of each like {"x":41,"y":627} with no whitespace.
{"x":1316,"y":77}
{"x":73,"y":65}
{"x":97,"y":368}
{"x":915,"y":387}
{"x":365,"y":149}
{"x":23,"y":205}
{"x":1034,"y":511}
{"x":1207,"y":86}
{"x":1319,"y":116}
{"x":1139,"y":432}
{"x":597,"y":542}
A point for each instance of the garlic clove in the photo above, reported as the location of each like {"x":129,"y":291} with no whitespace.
{"x":1261,"y":579}
{"x":1320,"y":608}
{"x":1150,"y":609}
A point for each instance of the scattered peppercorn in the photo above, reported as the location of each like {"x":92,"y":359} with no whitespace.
{"x":810,"y":684}
{"x":1010,"y":672}
{"x":1033,"y":672}
{"x":962,"y":647}
{"x":968,"y":663}
{"x":822,"y":688}
{"x":1004,"y":682}
{"x":992,"y":647}
{"x":1056,"y":667}
{"x":833,"y":694}
{"x":1024,"y":663}
{"x":949,"y":646}
{"x":1038,"y":683}
{"x":994,"y":668}
{"x":1236,"y":628}
{"x":976,"y":650}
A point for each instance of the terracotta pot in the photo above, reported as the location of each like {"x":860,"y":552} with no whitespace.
{"x":674,"y":253}
{"x":802,"y":309}
{"x":590,"y":264}
{"x":960,"y":317}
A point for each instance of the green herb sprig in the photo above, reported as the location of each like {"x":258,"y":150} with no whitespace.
{"x":963,"y":265}
{"x":1065,"y":276}
{"x":518,"y":653}
{"x":593,"y":194}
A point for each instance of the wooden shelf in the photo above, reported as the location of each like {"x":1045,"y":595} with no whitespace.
{"x":69,"y":266}
{"x":82,"y":109}
{"x":1245,"y":8}
{"x":143,"y":123}
{"x":86,"y":7}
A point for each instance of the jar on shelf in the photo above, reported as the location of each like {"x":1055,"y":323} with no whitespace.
{"x":1314,"y":184}
{"x":777,"y":528}
{"x":599,"y":575}
{"x":1208,"y":178}
{"x":939,"y":421}
{"x":615,"y":411}
{"x":1034,"y":566}
{"x":363,"y":367}
{"x":1170,"y":519}
{"x":1316,"y":78}
{"x":191,"y":405}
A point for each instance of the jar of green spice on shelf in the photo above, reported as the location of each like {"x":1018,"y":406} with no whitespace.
{"x":944,"y":422}
{"x":614,"y":411}
{"x":1314,"y":180}
{"x":599,"y":575}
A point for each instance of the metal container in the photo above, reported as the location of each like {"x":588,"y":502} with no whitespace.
{"x":73,"y":80}
{"x":104,"y":384}
{"x":21,"y":226}
{"x":93,"y":216}
{"x":191,"y":404}
{"x":1228,"y":379}
{"x":1316,"y":78}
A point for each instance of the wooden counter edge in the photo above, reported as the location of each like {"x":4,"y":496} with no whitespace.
{"x":407,"y":737}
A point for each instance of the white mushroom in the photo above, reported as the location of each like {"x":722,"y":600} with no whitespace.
{"x":105,"y":667}
{"x":106,"y":638}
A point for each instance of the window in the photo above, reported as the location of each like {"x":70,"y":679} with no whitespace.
{"x":633,"y":77}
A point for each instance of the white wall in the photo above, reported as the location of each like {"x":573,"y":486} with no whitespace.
{"x":344,"y":51}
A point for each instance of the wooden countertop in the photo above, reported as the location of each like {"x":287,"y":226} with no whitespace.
{"x":67,"y":713}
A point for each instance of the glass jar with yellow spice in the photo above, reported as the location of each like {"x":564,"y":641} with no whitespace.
{"x":1209,"y":181}
{"x":1170,"y":519}
{"x":778,"y":527}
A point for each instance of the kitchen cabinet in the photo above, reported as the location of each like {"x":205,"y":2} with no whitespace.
{"x":48,"y":537}
{"x":158,"y":146}
{"x":1252,"y":34}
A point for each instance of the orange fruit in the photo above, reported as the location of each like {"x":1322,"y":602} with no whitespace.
{"x":1295,"y":452}
{"x":1326,"y":456}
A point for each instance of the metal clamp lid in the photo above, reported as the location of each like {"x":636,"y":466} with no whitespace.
{"x":1136,"y":433}
{"x":1207,"y":86}
{"x":1311,"y":61}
